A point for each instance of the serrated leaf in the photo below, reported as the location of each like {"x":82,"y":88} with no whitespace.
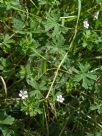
{"x":85,"y":83}
{"x":91,"y":76}
{"x":6,"y":131}
{"x":7,"y":121}
{"x":31,"y":81}
{"x":18,"y":24}
{"x":85,"y":76}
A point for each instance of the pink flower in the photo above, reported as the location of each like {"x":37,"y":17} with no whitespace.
{"x":60,"y":98}
{"x":23,"y":94}
{"x":86,"y":24}
{"x":96,"y":14}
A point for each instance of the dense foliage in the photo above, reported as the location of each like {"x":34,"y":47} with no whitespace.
{"x":50,"y":67}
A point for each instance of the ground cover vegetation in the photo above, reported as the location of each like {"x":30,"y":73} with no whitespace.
{"x":50,"y":67}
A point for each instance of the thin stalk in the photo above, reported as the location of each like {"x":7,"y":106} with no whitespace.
{"x":4,"y":85}
{"x":56,"y":73}
{"x":70,"y":47}
{"x":47,"y":126}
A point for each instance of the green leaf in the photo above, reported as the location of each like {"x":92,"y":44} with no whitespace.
{"x":91,"y":76}
{"x":85,"y":76}
{"x":8,"y":120}
{"x":18,"y":24}
{"x":85,"y":83}
{"x":31,"y":81}
{"x":7,"y":40}
{"x":6,"y":131}
{"x":44,"y":67}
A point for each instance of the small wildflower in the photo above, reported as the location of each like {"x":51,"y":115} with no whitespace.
{"x":86,"y":24}
{"x":96,"y":14}
{"x":23,"y":94}
{"x":60,"y":98}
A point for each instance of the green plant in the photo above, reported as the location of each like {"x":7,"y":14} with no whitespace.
{"x":50,"y":67}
